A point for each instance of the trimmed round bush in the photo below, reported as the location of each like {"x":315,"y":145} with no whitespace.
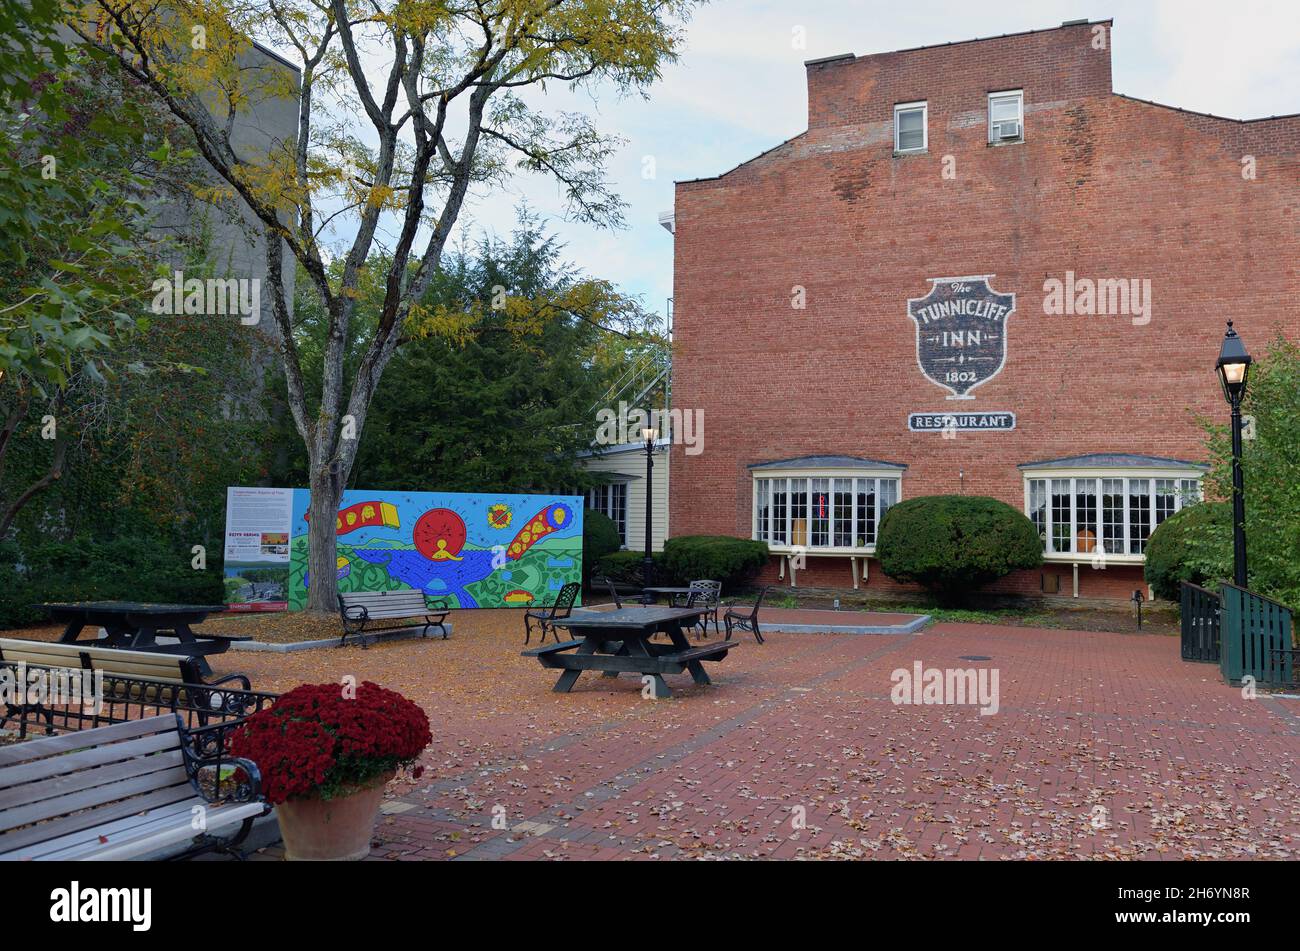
{"x":722,"y":558}
{"x":599,"y":538}
{"x":955,"y":544}
{"x":1194,"y":544}
{"x":622,"y":567}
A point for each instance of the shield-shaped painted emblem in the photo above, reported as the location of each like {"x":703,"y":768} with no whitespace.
{"x":961,"y":332}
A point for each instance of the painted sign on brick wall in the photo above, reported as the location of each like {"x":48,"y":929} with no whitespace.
{"x":961,"y":333}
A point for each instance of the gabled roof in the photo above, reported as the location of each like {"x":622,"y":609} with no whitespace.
{"x":1113,"y":460}
{"x":827,"y":462}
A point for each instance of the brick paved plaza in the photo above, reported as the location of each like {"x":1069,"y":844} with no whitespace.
{"x":1182,"y":765}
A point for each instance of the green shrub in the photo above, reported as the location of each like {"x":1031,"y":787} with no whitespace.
{"x":715,"y":557}
{"x":1194,"y":544}
{"x":123,"y":569}
{"x":1271,"y":465}
{"x":955,"y":544}
{"x":623,"y":567}
{"x":599,"y":538}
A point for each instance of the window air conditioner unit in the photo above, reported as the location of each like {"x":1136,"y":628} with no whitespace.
{"x":1009,"y":130}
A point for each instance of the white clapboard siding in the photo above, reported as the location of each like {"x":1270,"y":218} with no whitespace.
{"x":630,"y":462}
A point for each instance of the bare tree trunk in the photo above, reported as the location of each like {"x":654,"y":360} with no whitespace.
{"x":322,"y":541}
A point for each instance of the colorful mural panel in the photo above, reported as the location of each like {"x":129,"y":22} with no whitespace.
{"x":474,"y":550}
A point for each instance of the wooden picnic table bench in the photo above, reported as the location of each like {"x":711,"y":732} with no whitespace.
{"x":359,"y":608}
{"x":135,"y":625}
{"x":615,"y":642}
{"x":123,"y":791}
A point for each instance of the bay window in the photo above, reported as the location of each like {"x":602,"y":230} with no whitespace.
{"x":835,"y":510}
{"x":1091,"y":511}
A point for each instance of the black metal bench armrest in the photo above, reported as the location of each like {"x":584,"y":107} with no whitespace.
{"x":437,"y":604}
{"x":344,"y":609}
{"x":204,"y":748}
{"x":247,"y":790}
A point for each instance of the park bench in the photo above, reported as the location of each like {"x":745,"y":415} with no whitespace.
{"x":144,"y":665}
{"x":121,"y":792}
{"x":163,"y":681}
{"x":359,"y":608}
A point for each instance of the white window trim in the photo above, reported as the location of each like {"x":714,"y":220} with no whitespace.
{"x":819,"y":551}
{"x":901,"y":107}
{"x":627,"y":498}
{"x":988,"y":112}
{"x":1086,"y":558}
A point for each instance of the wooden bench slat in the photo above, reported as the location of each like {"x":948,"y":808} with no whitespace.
{"x":379,"y":597}
{"x":123,"y":666}
{"x":126,"y":789}
{"x":552,"y":648}
{"x":414,"y":598}
{"x":699,"y":653}
{"x":216,"y":817}
{"x":55,"y":648}
{"x":16,"y":842}
{"x":49,"y":746}
{"x":126,"y":826}
{"x":29,"y":793}
{"x":11,"y":777}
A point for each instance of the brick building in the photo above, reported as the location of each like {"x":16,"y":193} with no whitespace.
{"x":980,"y":271}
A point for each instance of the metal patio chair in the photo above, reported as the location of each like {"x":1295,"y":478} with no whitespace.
{"x":613,"y":592}
{"x":546,"y":618}
{"x":709,"y":597}
{"x":745,"y":620}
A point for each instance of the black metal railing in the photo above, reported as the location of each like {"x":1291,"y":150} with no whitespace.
{"x":1200,"y":611}
{"x":39,"y":698}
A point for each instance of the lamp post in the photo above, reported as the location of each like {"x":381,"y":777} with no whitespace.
{"x":649,"y":436}
{"x":1233,"y":368}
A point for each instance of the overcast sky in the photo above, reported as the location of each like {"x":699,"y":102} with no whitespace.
{"x":738,"y":90}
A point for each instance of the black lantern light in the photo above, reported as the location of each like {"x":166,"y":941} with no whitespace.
{"x":649,"y":439}
{"x":1233,"y":368}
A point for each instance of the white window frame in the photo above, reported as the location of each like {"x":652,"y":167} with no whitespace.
{"x":831,"y":475}
{"x":1019,"y":94}
{"x":899,"y":109}
{"x":1074,"y":475}
{"x":608,"y":507}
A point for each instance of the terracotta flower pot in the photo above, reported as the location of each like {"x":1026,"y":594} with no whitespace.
{"x":332,"y":830}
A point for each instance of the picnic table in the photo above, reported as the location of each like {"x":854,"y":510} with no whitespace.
{"x":615,"y":642}
{"x":133,"y":625}
{"x":676,"y":596}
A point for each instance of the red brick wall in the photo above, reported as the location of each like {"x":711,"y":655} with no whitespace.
{"x":1104,"y":186}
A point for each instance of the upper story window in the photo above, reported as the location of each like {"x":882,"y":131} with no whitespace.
{"x":1006,"y":116}
{"x":1106,"y":504}
{"x":911,"y":133}
{"x":831,"y":504}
